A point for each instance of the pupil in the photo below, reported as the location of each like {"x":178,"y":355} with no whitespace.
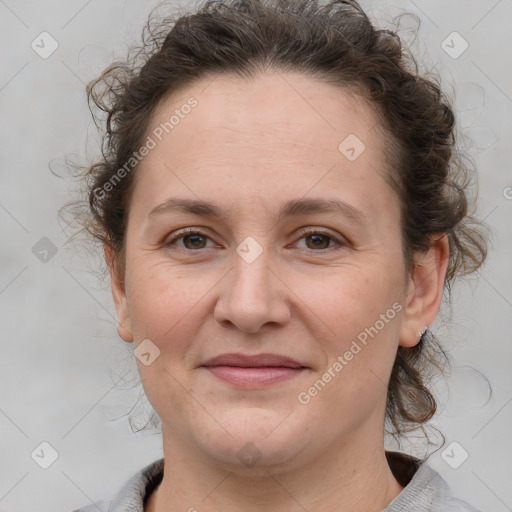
{"x":194,"y":238}
{"x":317,"y":238}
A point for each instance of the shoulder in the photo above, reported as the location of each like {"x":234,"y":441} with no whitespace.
{"x":424,"y":488}
{"x":132,"y":495}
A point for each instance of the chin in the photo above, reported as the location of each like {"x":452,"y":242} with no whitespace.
{"x":259,"y":440}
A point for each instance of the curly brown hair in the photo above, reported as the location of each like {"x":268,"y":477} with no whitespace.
{"x":333,"y":41}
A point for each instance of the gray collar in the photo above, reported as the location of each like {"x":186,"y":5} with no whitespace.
{"x":424,"y":489}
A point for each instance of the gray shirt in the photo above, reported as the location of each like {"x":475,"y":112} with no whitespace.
{"x":424,"y":489}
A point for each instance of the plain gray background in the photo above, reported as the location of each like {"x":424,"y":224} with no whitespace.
{"x":61,"y":357}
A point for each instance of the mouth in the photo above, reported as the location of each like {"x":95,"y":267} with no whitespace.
{"x":252,"y":372}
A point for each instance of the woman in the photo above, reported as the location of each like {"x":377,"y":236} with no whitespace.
{"x":281,"y":212}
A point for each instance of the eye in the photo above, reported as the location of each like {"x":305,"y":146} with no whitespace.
{"x":316,"y":240}
{"x":192,"y":239}
{"x":320,"y":240}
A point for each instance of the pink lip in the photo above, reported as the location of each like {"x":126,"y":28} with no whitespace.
{"x":250,"y":378}
{"x":246,"y":361}
{"x":250,"y":372}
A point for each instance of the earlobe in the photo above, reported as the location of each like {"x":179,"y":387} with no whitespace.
{"x":425,"y":291}
{"x":124,"y":327}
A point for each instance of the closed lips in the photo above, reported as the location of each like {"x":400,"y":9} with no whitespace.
{"x":252,"y":361}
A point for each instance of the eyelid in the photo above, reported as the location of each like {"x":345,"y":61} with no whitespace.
{"x":341,"y":240}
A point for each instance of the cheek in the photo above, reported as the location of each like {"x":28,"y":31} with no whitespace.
{"x":158,"y":301}
{"x":162,"y":306}
{"x":363,"y":312}
{"x":360,"y":346}
{"x":352,"y":298}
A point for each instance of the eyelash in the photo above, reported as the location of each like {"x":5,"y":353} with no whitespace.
{"x":307,"y":232}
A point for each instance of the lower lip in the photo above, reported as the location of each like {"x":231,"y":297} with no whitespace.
{"x":250,"y":378}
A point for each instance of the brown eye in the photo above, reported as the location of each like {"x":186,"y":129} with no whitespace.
{"x":192,"y":240}
{"x":196,"y":241}
{"x":319,"y":241}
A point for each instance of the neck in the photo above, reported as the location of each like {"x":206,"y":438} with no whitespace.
{"x":347,"y":477}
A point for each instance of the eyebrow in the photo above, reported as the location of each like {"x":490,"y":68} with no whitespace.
{"x":292,"y":208}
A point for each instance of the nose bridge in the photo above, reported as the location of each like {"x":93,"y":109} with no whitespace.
{"x":251,"y":282}
{"x":253,"y":295}
{"x":252,"y":265}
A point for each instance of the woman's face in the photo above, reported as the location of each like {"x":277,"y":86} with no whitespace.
{"x":276,"y":272}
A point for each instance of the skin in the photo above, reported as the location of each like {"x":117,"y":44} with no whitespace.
{"x":249,"y":146}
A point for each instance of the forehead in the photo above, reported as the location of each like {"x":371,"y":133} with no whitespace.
{"x":270,"y":106}
{"x":278,"y":134}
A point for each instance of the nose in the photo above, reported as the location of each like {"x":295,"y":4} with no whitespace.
{"x":252,"y":296}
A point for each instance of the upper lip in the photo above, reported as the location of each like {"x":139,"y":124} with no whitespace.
{"x":257,"y":360}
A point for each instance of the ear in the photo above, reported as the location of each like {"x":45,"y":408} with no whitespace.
{"x":425,"y":291}
{"x":124,"y":327}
